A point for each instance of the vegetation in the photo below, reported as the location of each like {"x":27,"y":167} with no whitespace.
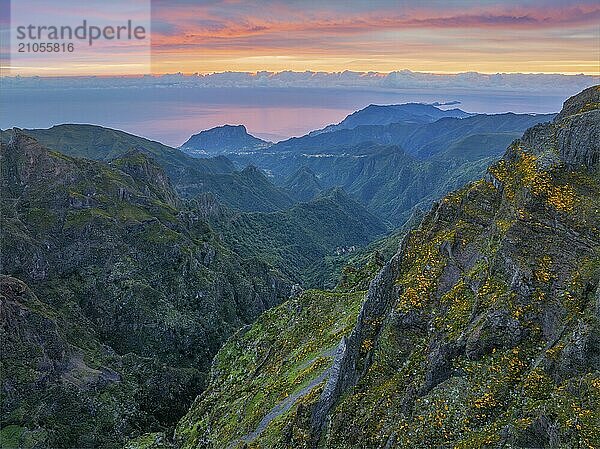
{"x":283,"y":354}
{"x":141,"y":285}
{"x":393,"y":159}
{"x":247,"y":190}
{"x":134,"y":293}
{"x":308,"y":242}
{"x":122,"y":301}
{"x":482,"y":331}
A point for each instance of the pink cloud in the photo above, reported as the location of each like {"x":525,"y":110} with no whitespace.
{"x":203,"y":22}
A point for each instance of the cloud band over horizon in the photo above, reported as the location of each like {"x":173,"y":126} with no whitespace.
{"x":528,"y":36}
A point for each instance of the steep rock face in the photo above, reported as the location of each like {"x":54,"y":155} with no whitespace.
{"x":579,"y":139}
{"x":586,"y":100}
{"x":350,"y":361}
{"x":141,"y":168}
{"x":28,"y":330}
{"x":509,"y":277}
{"x":574,"y":136}
{"x":109,"y":248}
{"x":483,"y":330}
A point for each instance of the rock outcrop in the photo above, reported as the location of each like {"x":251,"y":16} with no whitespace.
{"x":574,"y":135}
{"x":144,"y":170}
{"x":222,"y":140}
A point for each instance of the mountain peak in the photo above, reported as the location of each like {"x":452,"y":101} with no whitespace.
{"x":252,"y":170}
{"x":241,"y":128}
{"x":585,"y":101}
{"x":25,"y":160}
{"x":374,"y":114}
{"x":17,"y":137}
{"x":303,"y":184}
{"x":578,"y":129}
{"x":573,"y":138}
{"x":338,"y":196}
{"x":222,"y":140}
{"x":143,"y":168}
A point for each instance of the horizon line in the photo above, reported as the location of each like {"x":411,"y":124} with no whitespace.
{"x":271,"y":72}
{"x":203,"y":74}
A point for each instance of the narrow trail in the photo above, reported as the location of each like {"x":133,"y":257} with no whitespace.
{"x":286,"y":404}
{"x":283,"y":407}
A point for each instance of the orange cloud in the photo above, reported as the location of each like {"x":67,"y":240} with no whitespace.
{"x":209,"y":38}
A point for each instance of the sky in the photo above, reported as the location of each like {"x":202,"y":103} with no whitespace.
{"x":428,"y":36}
{"x":528,"y":36}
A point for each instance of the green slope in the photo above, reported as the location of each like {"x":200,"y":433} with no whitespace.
{"x":190,"y":176}
{"x":278,"y":358}
{"x":104,"y":144}
{"x":482,"y":330}
{"x":137,"y":284}
{"x":248,"y":190}
{"x":301,"y":240}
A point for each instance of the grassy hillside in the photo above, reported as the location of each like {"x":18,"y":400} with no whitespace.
{"x":277,"y":362}
{"x":299,"y":241}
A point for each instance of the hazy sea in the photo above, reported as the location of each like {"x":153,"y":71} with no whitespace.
{"x":170,"y":115}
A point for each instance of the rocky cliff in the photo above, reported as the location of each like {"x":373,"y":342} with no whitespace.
{"x":482,"y":331}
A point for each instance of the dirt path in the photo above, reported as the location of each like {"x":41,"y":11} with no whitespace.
{"x":286,"y":404}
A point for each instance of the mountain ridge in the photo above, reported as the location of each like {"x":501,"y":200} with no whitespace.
{"x":190,"y":176}
{"x":375,"y":114}
{"x":482,"y":330}
{"x":434,"y":158}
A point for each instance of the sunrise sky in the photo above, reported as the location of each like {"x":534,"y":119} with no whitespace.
{"x":554,"y":36}
{"x":530,"y":36}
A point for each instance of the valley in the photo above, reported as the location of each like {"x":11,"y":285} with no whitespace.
{"x":480,"y":331}
{"x":408,"y":275}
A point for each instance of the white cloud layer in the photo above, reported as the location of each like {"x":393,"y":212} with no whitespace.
{"x":404,"y":79}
